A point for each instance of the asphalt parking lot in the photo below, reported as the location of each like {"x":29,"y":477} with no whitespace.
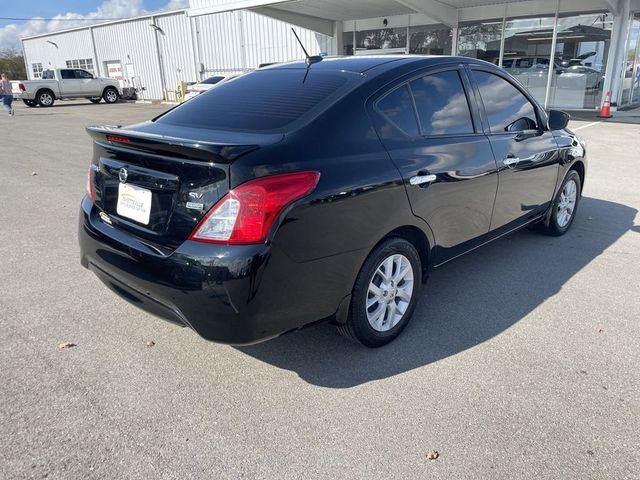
{"x":522,"y":361}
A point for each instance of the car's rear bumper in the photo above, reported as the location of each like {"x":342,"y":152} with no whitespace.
{"x":238,"y":294}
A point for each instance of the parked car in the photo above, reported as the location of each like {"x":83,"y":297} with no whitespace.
{"x":66,"y":83}
{"x":196,"y":89}
{"x":299,"y":193}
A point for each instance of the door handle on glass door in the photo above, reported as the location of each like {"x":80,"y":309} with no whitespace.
{"x":422,"y":179}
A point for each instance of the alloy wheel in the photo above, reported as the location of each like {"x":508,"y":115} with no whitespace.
{"x":389,"y":293}
{"x":567,"y":203}
{"x":46,"y":99}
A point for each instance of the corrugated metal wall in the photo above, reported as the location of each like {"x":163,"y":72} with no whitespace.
{"x":220,"y":43}
{"x":269,"y":40}
{"x":241,"y":40}
{"x":132,"y":42}
{"x":70,"y":46}
{"x":176,"y":50}
{"x":229,"y":42}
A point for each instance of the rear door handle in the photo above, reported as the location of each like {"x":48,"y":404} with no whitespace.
{"x":422,"y":179}
{"x":510,"y":161}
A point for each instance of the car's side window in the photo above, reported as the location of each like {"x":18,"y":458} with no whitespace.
{"x":442,"y":104}
{"x":397,"y":107}
{"x":67,"y":74}
{"x":83,"y":74}
{"x":507,"y":109}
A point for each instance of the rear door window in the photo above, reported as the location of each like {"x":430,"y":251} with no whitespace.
{"x":397,"y":108}
{"x":507,"y":109}
{"x":67,"y":74}
{"x":265,"y":100}
{"x":442,"y":104}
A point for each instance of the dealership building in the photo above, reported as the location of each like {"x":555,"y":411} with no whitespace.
{"x":569,"y":53}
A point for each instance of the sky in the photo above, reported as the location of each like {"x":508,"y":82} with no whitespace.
{"x":74,"y":10}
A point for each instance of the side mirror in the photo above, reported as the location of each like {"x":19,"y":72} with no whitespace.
{"x":558,"y":120}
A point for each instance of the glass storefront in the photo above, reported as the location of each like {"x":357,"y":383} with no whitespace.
{"x":575,"y":70}
{"x":582,"y":49}
{"x":480,"y":39}
{"x":382,"y":39}
{"x":577,"y":65}
{"x":527,"y":52}
{"x":430,"y":40}
{"x":630,"y":85}
{"x":424,"y":39}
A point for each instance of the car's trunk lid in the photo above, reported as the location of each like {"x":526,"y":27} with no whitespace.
{"x":158,"y":186}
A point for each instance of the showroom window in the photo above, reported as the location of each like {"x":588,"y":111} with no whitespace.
{"x":630,"y":84}
{"x":36,"y":68}
{"x":430,"y":40}
{"x":422,"y":39}
{"x":582,"y":47}
{"x":83,"y":63}
{"x":480,"y":40}
{"x":382,"y":39}
{"x":527,"y":52}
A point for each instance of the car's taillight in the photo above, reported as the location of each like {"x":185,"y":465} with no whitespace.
{"x":245,"y":214}
{"x":21,"y":87}
{"x":90,"y":185}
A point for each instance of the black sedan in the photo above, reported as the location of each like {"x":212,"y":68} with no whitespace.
{"x":325,"y":191}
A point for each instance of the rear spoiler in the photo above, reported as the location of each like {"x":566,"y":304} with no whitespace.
{"x":166,"y":145}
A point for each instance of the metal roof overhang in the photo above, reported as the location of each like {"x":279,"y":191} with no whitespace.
{"x":321,"y":15}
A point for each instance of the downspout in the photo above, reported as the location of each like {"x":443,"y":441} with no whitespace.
{"x":163,"y":85}
{"x":95,"y":54}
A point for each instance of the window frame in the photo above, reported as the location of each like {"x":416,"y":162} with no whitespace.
{"x":37,"y":69}
{"x":81,"y":64}
{"x":541,"y":118}
{"x":406,"y":81}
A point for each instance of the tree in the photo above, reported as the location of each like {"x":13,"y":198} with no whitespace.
{"x":12,"y":63}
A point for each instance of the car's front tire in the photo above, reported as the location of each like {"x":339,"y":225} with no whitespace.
{"x":110,"y":95}
{"x":385,"y":294}
{"x":565,"y":205}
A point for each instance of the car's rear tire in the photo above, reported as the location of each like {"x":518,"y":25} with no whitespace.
{"x":30,"y":103}
{"x":385,"y":294}
{"x":564,"y":207}
{"x":110,"y":95}
{"x":95,"y":100}
{"x":45,"y":98}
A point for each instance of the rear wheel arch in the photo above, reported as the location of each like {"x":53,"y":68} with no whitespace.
{"x":418,"y":239}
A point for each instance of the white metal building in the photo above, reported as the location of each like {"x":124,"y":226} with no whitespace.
{"x":567,"y":52}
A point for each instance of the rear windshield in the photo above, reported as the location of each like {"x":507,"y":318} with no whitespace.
{"x":265,"y":100}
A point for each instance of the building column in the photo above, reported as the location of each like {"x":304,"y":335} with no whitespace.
{"x":617,"y":52}
{"x":338,"y":41}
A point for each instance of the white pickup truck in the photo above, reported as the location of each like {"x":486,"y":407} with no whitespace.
{"x":66,"y":83}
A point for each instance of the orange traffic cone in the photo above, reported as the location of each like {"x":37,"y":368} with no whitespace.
{"x":605,"y":111}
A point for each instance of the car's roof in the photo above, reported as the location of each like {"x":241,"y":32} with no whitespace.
{"x":365,"y":63}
